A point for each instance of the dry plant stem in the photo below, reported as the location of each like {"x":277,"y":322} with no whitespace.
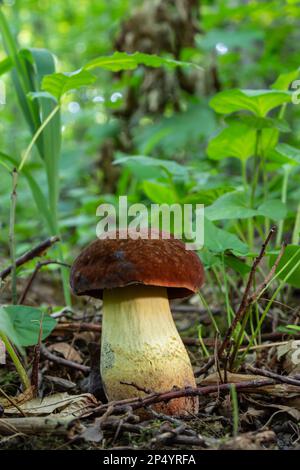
{"x":12,"y":402}
{"x":12,"y":246}
{"x":36,"y":361}
{"x":64,"y":362}
{"x":38,"y":266}
{"x":136,"y":403}
{"x":29,"y":255}
{"x":14,"y":357}
{"x":36,"y":425}
{"x":140,"y":344}
{"x":242,"y":310}
{"x":272,"y":375}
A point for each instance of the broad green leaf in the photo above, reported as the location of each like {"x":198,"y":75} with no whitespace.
{"x":233,"y":205}
{"x":147,"y":167}
{"x":258,"y":102}
{"x":261,"y":123}
{"x":159,"y":193}
{"x":170,"y":135}
{"x":123,"y":61}
{"x":285,"y":154}
{"x":7,"y":327}
{"x":57,"y":84}
{"x":273,"y":209}
{"x":5,"y":65}
{"x":290,"y":251}
{"x":22,"y":324}
{"x":218,"y":240}
{"x":237,"y":140}
{"x":285,"y":79}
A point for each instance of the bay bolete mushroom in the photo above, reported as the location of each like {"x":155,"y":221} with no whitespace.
{"x":140,"y":342}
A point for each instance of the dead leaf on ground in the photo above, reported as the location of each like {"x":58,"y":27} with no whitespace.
{"x":59,"y":403}
{"x":67,"y":351}
{"x":18,"y":400}
{"x":251,"y":441}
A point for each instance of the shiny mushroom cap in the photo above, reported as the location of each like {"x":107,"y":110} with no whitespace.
{"x":112,"y":263}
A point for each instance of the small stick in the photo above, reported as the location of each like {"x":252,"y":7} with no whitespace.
{"x":12,"y":402}
{"x":12,"y":244}
{"x":135,"y":403}
{"x":29,"y":255}
{"x":272,"y":375}
{"x":38,"y":266}
{"x":36,"y":361}
{"x":64,"y":362}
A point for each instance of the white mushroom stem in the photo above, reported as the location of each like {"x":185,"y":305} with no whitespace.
{"x":141,"y":345}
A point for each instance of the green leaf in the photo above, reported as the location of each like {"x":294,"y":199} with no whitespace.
{"x":170,"y":135}
{"x":273,"y":209}
{"x":285,"y":79}
{"x":237,"y":140}
{"x":147,"y":167}
{"x":22,"y":324}
{"x":123,"y":61}
{"x":290,"y":251}
{"x":261,"y":123}
{"x":285,"y":154}
{"x":159,"y":193}
{"x":218,"y":240}
{"x":258,"y":102}
{"x":237,"y":265}
{"x":234,"y":205}
{"x":5,"y":65}
{"x":57,"y":84}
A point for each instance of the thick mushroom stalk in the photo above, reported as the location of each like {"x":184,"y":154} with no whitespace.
{"x":141,"y":345}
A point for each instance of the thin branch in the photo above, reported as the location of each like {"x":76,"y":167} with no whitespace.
{"x":29,"y":255}
{"x":272,"y":375}
{"x":38,"y":266}
{"x":64,"y":362}
{"x":135,"y":403}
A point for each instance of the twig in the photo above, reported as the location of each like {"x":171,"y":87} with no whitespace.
{"x":29,"y":255}
{"x":242,"y":308}
{"x":12,"y":402}
{"x":153,"y":398}
{"x":36,"y":360}
{"x":272,"y":375}
{"x":64,"y":362}
{"x":74,"y":327}
{"x":137,"y":387}
{"x":259,"y":291}
{"x":38,"y":266}
{"x":12,"y":245}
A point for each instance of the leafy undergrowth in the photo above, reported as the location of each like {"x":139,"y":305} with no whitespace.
{"x":69,"y":411}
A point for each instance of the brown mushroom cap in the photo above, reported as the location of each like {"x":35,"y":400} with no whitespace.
{"x":112,"y":263}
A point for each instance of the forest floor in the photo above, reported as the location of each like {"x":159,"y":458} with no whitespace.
{"x":69,"y":411}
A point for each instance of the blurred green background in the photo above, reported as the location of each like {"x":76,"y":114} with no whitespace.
{"x":158,"y":113}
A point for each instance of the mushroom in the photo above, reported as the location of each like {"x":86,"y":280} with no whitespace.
{"x":141,"y":348}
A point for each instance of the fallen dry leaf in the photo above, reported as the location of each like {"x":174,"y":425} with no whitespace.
{"x":67,"y":351}
{"x":19,"y":400}
{"x":60,"y":403}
